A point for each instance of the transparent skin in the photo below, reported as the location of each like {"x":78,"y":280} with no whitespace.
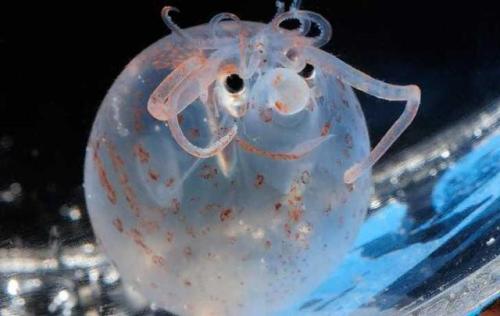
{"x":220,"y":200}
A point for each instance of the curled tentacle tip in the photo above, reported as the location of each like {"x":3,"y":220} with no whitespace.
{"x":165,"y":12}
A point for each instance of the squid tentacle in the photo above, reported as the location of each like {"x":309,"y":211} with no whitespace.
{"x":377,"y":88}
{"x":167,"y":19}
{"x":306,"y":18}
{"x":179,"y":90}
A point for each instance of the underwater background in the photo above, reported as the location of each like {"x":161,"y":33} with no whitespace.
{"x":434,"y":221}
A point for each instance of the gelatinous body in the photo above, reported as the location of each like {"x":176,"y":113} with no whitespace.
{"x":217,"y":196}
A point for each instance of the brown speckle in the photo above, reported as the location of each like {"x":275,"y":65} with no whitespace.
{"x":148,"y":226}
{"x":170,"y":182}
{"x":266,"y":115}
{"x":118,"y":224}
{"x":139,"y":241}
{"x":187,"y":283}
{"x":118,"y":166}
{"x":288,"y":229}
{"x":226,"y":214}
{"x":141,"y":153}
{"x":194,"y":133}
{"x":208,"y":172}
{"x":169,"y":236}
{"x":306,"y":177}
{"x":277,"y":206}
{"x":180,"y":118}
{"x":259,"y":180}
{"x":153,"y":175}
{"x":295,"y":214}
{"x":137,"y":119}
{"x":175,"y":206}
{"x":348,"y":140}
{"x":188,"y":252}
{"x":159,"y":260}
{"x":325,"y":129}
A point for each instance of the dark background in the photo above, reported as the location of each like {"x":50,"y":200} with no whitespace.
{"x":58,"y":59}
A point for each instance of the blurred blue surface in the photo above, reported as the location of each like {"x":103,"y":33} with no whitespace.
{"x":397,"y":258}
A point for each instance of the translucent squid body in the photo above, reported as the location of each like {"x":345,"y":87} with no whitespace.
{"x":229,"y":166}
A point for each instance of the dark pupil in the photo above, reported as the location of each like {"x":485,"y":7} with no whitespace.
{"x":307,"y":72}
{"x":290,"y":24}
{"x":234,"y":83}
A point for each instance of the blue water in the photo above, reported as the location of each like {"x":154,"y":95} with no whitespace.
{"x":397,"y":258}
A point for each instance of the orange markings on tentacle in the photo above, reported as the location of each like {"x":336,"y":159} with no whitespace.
{"x":268,"y":154}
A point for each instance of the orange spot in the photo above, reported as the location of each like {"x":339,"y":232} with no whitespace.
{"x":175,"y":206}
{"x":295,"y":214}
{"x":153,"y":175}
{"x":103,"y":179}
{"x":228,"y":69}
{"x":282,"y":107}
{"x":141,"y":153}
{"x":139,"y":241}
{"x":159,"y":260}
{"x":194,"y":133}
{"x":226,"y":214}
{"x":325,"y":129}
{"x":118,"y":165}
{"x":268,"y":154}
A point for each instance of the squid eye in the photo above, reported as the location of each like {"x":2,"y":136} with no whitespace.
{"x":231,"y":94}
{"x":234,"y":84}
{"x":308,"y":72}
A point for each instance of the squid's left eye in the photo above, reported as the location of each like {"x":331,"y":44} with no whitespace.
{"x":234,"y":84}
{"x":231,"y":94}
